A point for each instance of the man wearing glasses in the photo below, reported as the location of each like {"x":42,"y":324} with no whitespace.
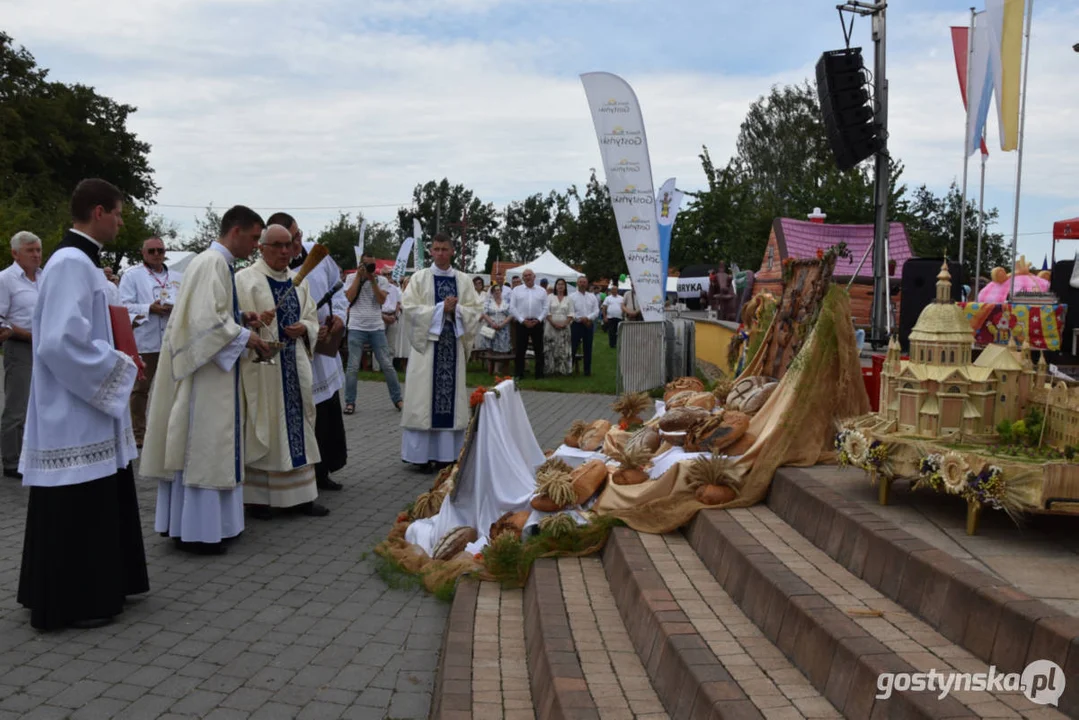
{"x":148,"y":291}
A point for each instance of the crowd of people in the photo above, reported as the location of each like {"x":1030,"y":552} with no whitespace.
{"x":225,"y":383}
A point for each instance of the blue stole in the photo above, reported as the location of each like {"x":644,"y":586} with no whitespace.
{"x":288,"y":313}
{"x":444,"y":390}
{"x":237,"y":427}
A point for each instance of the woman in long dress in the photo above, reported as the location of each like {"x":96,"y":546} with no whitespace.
{"x":557,"y":351}
{"x":496,"y":315}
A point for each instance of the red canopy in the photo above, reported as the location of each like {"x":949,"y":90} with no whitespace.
{"x":1066,"y":229}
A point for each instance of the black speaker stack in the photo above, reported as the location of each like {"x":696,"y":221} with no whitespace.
{"x":919,"y":286}
{"x":842,"y":88}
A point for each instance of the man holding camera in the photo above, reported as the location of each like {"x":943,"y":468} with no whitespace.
{"x":365,"y":294}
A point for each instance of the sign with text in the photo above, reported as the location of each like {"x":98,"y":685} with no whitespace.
{"x":623,"y":146}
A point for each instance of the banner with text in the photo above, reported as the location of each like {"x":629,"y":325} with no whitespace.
{"x":668,"y":200}
{"x":623,"y":146}
{"x":402,"y":259}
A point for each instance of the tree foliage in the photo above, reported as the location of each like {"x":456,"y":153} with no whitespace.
{"x":530,"y":225}
{"x":932,"y":224}
{"x":440,"y":204}
{"x":53,"y":135}
{"x":342,"y":235}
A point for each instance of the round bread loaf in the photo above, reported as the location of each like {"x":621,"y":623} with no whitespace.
{"x":454,"y":542}
{"x":679,"y":399}
{"x":647,"y":438}
{"x":736,"y":424}
{"x":683,"y":383}
{"x":756,"y":398}
{"x":592,"y":439}
{"x":682,"y":419}
{"x":704,"y":400}
{"x":743,"y":389}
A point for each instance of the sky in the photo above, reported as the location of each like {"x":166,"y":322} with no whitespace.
{"x":321,"y":106}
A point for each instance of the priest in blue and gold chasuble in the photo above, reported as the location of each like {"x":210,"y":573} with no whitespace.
{"x":280,"y":435}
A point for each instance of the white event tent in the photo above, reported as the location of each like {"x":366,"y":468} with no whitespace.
{"x":547,"y":266}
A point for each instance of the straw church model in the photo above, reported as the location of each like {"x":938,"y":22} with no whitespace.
{"x":939,"y":392}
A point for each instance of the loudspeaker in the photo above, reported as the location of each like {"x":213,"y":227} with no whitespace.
{"x":919,"y":286}
{"x":1059,"y":285}
{"x":845,"y":110}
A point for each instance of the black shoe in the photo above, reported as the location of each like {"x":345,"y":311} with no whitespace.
{"x":260,"y":512}
{"x":313,"y":509}
{"x":12,"y":473}
{"x":90,"y":623}
{"x":328,"y":484}
{"x":201,"y":548}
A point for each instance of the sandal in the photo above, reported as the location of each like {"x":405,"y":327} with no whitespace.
{"x":350,"y":409}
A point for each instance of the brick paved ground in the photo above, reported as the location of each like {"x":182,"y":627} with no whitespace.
{"x":292,"y":623}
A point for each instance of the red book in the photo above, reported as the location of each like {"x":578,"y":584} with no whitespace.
{"x":123,"y":336}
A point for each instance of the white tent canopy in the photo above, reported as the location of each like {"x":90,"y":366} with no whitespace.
{"x":546,"y":266}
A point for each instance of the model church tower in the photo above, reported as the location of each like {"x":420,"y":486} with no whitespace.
{"x":939,"y":392}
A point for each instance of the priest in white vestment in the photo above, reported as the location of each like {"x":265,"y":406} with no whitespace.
{"x":83,"y":550}
{"x":281,"y":447}
{"x":324,"y":283}
{"x":444,"y":314}
{"x":194,"y":441}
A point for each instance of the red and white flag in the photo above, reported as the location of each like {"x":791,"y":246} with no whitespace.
{"x":960,"y":36}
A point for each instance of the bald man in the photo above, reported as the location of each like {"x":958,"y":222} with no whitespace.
{"x":281,"y":447}
{"x":148,"y":291}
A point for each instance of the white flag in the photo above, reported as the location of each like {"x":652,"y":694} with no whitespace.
{"x":401,"y":264}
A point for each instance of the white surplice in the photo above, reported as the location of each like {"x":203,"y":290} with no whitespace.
{"x":78,"y":427}
{"x":420,"y":441}
{"x":194,"y":441}
{"x":281,"y":445}
{"x":328,"y":372}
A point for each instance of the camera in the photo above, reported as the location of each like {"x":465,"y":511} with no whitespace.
{"x":370,"y":267}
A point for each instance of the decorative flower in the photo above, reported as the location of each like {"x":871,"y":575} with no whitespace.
{"x":477,"y":396}
{"x":820,"y":254}
{"x":856,"y":447}
{"x":954,"y":471}
{"x":877,"y":454}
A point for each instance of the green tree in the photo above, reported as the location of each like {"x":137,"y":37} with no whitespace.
{"x":932,"y":223}
{"x":341,"y":236}
{"x":53,"y":135}
{"x":784,"y":156}
{"x":207,"y":229}
{"x":442,"y":204}
{"x":721,"y":222}
{"x":589,"y":239}
{"x":530,"y":225}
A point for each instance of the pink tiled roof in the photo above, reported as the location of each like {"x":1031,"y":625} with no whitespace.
{"x":803,"y":238}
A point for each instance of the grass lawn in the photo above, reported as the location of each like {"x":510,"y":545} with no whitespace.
{"x":603,"y":380}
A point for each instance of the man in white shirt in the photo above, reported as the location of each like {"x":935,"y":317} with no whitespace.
{"x":612,"y":315}
{"x":528,"y":306}
{"x":585,"y":313}
{"x":18,"y":295}
{"x":148,"y":291}
{"x":83,"y":551}
{"x":365,"y":293}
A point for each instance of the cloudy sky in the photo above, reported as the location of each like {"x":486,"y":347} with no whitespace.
{"x":335,"y":104}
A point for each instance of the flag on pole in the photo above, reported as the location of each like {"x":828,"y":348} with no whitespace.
{"x":668,"y":200}
{"x":359,"y":247}
{"x":980,"y":78}
{"x":1005,"y":21}
{"x":417,"y":236}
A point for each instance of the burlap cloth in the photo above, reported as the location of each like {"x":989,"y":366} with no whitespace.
{"x":796,"y":427}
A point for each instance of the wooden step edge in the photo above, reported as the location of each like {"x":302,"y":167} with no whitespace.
{"x":998,"y":623}
{"x":452,"y":698}
{"x":838,"y":657}
{"x":559,"y":690}
{"x":688,"y":678}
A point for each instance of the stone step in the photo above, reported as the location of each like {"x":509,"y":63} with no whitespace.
{"x":837,"y":629}
{"x":996,"y":622}
{"x":580,"y":658}
{"x":705,"y":658}
{"x":482,"y":671}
